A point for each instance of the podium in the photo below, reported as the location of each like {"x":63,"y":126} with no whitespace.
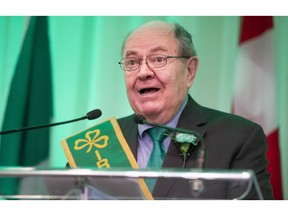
{"x":125,"y":184}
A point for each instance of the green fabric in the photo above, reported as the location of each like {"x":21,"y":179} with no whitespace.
{"x":158,"y":153}
{"x":102,"y":146}
{"x":29,"y":104}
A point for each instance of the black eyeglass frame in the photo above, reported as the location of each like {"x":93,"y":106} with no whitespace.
{"x":166,"y":57}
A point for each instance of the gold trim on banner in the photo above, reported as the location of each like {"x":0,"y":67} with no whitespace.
{"x":68,"y":154}
{"x":131,"y":157}
{"x":124,"y":146}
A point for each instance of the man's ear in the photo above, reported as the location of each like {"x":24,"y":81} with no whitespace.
{"x":192,"y":66}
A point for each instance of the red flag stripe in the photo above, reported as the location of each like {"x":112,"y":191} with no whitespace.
{"x":274,"y":167}
{"x":256,"y":65}
{"x":253,"y":26}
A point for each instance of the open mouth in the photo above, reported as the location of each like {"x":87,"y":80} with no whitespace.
{"x":146,"y":91}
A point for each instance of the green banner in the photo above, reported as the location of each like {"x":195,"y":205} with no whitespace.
{"x":103,"y":146}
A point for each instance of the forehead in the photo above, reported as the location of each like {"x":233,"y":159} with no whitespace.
{"x":151,"y":39}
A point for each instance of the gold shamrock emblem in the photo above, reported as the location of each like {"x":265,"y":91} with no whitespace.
{"x":92,"y":139}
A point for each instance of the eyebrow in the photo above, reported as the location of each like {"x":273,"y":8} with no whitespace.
{"x":156,"y":49}
{"x":130,"y":53}
{"x":159,"y":48}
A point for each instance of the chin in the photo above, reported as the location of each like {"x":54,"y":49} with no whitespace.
{"x":151,"y":112}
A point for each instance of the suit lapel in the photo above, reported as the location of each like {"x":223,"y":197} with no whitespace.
{"x":193,"y":119}
{"x":130,"y":132}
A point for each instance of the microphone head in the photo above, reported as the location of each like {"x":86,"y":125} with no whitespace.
{"x":96,"y":113}
{"x":139,"y":119}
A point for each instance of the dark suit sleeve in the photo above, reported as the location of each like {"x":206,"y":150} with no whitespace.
{"x":253,"y":154}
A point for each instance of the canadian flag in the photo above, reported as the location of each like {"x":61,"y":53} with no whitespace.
{"x":255,"y":94}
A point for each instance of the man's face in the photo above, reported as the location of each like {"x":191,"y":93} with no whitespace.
{"x":157,"y":93}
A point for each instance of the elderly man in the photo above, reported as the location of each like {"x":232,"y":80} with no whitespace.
{"x":160,"y":64}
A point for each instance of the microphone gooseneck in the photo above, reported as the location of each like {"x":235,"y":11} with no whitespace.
{"x":142,"y":120}
{"x":94,"y":114}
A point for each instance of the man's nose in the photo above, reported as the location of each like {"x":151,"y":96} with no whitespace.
{"x":145,"y":71}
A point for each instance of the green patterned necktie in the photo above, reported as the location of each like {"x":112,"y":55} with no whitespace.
{"x":158,"y":153}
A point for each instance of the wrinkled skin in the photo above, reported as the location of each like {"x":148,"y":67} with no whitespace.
{"x":157,"y":93}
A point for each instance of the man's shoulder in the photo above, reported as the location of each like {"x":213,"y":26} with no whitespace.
{"x":212,"y":114}
{"x":207,"y":114}
{"x":228,"y":118}
{"x":126,"y":120}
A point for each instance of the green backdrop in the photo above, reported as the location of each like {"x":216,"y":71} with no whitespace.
{"x":85,"y":51}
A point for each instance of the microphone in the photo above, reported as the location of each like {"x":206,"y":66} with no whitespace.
{"x":142,"y":120}
{"x":93,"y":114}
{"x":197,"y":185}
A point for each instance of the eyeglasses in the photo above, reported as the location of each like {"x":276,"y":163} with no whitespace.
{"x":153,"y":61}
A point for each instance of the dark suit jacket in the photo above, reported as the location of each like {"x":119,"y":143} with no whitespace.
{"x":231,"y":142}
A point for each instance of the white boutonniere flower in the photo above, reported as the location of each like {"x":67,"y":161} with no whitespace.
{"x":184,"y":142}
